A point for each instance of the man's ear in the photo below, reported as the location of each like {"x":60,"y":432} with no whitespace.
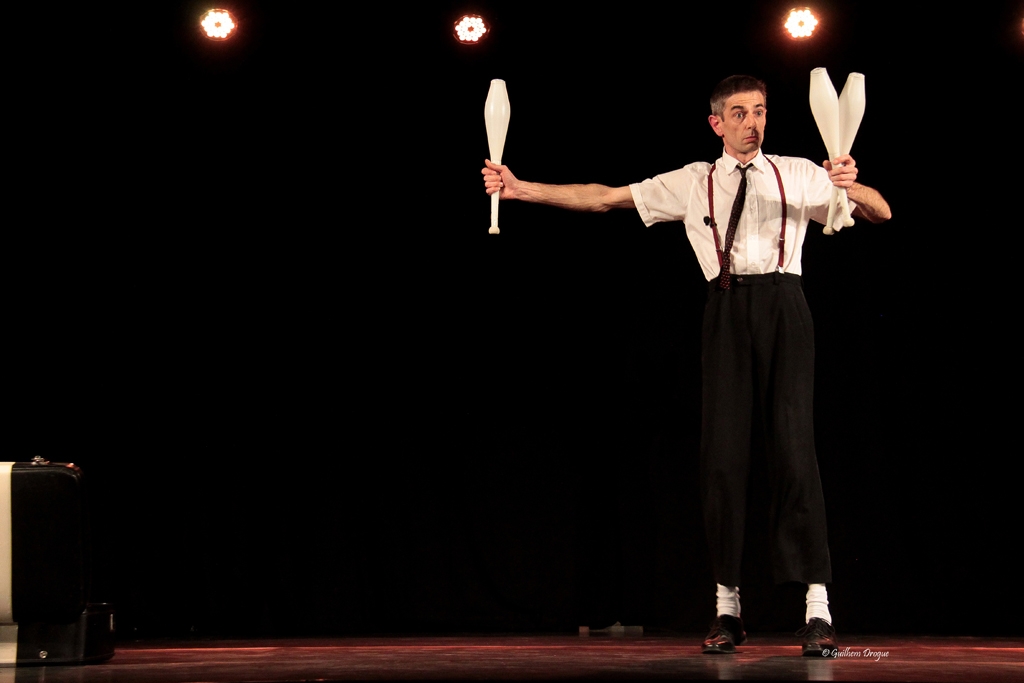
{"x":716,"y":125}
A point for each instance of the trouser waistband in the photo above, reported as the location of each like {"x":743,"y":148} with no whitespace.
{"x":760,"y":279}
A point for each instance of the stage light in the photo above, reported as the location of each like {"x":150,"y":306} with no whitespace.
{"x":470,"y":29}
{"x":800,"y":23}
{"x":218,"y":24}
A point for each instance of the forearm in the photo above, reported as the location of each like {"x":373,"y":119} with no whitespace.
{"x":870,"y":203}
{"x":592,"y":197}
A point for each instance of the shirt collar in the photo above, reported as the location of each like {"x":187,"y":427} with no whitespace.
{"x":728,"y":163}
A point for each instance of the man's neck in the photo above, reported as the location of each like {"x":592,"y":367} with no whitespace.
{"x":744,"y":159}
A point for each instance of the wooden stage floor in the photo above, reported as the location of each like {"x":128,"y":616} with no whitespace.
{"x":541,"y":657}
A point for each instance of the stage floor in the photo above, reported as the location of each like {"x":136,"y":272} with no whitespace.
{"x":541,"y":657}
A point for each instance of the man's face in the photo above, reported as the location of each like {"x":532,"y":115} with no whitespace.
{"x":741,"y":125}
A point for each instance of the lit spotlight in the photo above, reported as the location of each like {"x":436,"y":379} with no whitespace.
{"x":800,"y":23}
{"x":470,"y":29}
{"x":218,"y":24}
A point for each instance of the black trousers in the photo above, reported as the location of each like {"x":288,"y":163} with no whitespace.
{"x":758,"y":345}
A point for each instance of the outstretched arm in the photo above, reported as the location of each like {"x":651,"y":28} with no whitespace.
{"x":870,"y":202}
{"x":591,"y":197}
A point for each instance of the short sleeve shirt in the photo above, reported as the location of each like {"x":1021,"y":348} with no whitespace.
{"x":682,"y":195}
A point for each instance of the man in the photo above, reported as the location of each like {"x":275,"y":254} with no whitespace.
{"x":757,"y":335}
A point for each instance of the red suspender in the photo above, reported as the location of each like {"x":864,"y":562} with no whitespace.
{"x":782,"y":232}
{"x":711,"y":216}
{"x":714,"y":226}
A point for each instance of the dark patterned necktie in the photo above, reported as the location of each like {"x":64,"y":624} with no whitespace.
{"x":725,"y":278}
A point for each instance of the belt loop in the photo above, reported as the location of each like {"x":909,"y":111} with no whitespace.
{"x":775,"y":277}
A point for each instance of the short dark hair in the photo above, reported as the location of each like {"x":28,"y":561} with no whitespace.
{"x":733,"y":85}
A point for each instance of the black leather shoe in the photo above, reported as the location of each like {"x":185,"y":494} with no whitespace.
{"x":818,"y":636}
{"x":726,"y":633}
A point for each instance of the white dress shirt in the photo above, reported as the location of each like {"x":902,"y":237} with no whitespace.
{"x":683,"y":196}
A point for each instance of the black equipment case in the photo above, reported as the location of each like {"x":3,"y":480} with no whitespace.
{"x":50,"y":568}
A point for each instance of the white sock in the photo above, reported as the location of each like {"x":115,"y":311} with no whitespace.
{"x":817,"y":602}
{"x":728,"y":600}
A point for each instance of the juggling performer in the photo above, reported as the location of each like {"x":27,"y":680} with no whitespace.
{"x":746,"y":216}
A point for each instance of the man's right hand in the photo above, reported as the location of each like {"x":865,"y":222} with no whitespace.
{"x":498,"y":178}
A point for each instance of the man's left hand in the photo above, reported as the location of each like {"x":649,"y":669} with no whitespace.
{"x":842,"y":171}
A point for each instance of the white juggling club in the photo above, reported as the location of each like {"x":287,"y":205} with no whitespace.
{"x":838,"y":119}
{"x":825,"y":108}
{"x":851,"y":111}
{"x":496,"y":114}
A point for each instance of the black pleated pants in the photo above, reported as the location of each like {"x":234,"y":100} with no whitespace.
{"x":758,"y":345}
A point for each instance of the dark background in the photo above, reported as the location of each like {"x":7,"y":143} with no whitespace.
{"x":251,"y":293}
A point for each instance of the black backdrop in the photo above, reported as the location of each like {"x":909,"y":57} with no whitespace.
{"x":252,"y":294}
